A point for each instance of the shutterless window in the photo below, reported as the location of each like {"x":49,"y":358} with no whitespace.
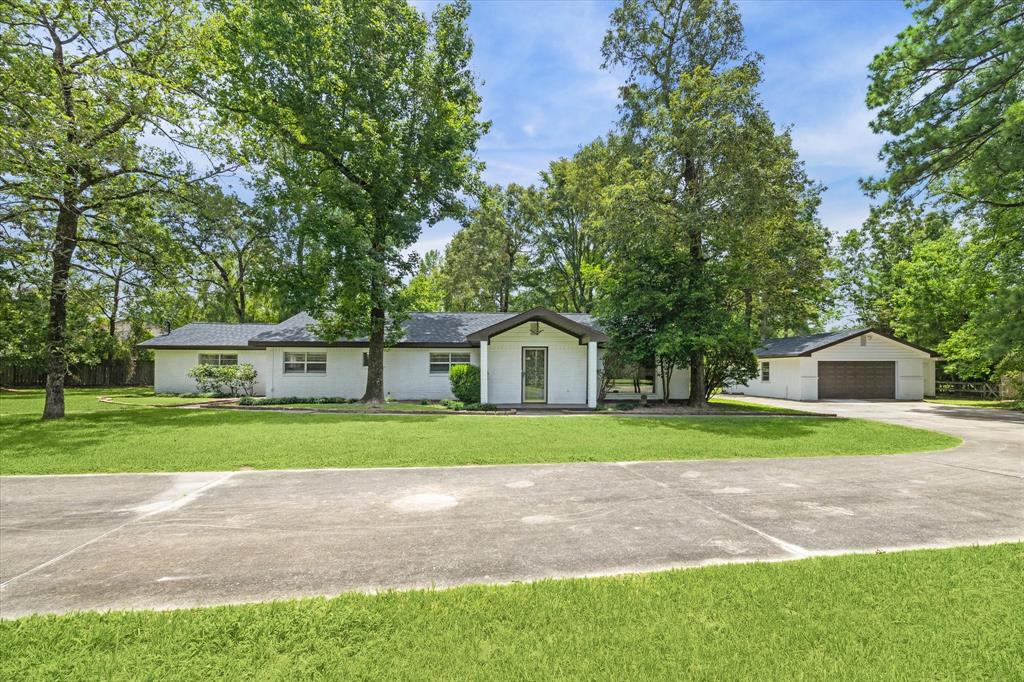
{"x":441,"y":363}
{"x":218,"y":359}
{"x":765,"y":373}
{"x":305,"y":363}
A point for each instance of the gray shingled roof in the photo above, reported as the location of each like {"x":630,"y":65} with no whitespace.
{"x":420,"y":329}
{"x":795,"y":346}
{"x":208,"y":335}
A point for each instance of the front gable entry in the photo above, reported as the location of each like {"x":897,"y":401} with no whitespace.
{"x":583,"y":333}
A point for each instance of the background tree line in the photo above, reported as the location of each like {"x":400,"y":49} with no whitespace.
{"x":236,"y":161}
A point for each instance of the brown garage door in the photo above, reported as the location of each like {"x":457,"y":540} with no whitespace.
{"x":856,"y":380}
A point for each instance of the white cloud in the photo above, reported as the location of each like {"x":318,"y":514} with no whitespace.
{"x":841,"y":141}
{"x":430,"y":242}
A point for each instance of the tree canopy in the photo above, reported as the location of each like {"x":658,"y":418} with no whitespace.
{"x":372,"y":109}
{"x":941,"y":261}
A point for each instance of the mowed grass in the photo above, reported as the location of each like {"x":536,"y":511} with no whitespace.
{"x":932,"y":614}
{"x":100,"y":437}
{"x":972,"y":402}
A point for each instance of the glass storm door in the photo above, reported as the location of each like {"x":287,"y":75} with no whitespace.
{"x":535,"y":375}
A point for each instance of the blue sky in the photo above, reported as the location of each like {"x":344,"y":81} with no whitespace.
{"x":546,"y":95}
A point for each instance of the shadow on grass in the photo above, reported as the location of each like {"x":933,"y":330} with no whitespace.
{"x":994,"y":414}
{"x":755,"y":427}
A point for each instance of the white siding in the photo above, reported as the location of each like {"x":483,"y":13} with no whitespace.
{"x":345,"y":376}
{"x":567,"y":365}
{"x":785,"y":380}
{"x":808,"y":387}
{"x":406,"y":374}
{"x":929,"y":377}
{"x":678,"y":384}
{"x":170,"y":368}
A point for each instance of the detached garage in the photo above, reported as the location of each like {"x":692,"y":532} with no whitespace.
{"x":854,"y":364}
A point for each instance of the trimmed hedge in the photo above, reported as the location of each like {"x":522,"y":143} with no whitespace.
{"x":471,"y":407}
{"x":465,"y":381}
{"x":291,"y":400}
{"x":224,"y":379}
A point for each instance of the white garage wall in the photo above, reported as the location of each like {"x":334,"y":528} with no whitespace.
{"x":785,"y":380}
{"x":910,"y":362}
{"x":567,"y":365}
{"x":170,"y":368}
{"x":929,"y":377}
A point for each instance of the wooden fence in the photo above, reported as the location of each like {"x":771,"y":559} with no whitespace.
{"x":979,"y":389}
{"x":116,"y":373}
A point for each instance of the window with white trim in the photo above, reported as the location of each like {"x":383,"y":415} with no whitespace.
{"x":218,"y":358}
{"x":305,"y":363}
{"x":441,"y":363}
{"x":766,"y":371}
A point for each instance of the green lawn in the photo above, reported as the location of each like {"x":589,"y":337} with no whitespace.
{"x":971,"y":402}
{"x":932,"y":614}
{"x":100,"y":437}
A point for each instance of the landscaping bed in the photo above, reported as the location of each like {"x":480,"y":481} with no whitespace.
{"x":717,"y":405}
{"x":931,"y":614}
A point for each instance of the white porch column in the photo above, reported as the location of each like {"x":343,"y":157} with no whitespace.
{"x":592,"y":374}
{"x":271,"y":366}
{"x":483,"y":371}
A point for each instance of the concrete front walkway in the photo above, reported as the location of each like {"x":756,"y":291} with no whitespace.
{"x":172,"y":540}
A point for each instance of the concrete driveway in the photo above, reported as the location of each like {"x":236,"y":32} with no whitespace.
{"x":174,"y":540}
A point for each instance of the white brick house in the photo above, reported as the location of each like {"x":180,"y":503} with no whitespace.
{"x":536,"y":357}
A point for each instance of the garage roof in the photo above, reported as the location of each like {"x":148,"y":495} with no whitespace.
{"x":803,"y":346}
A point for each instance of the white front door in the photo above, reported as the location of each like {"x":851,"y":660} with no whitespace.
{"x":535,"y":375}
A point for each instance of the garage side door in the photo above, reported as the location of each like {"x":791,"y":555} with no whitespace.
{"x":856,"y":380}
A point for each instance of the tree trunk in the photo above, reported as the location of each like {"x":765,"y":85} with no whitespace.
{"x":114,"y":305}
{"x":242,"y":312}
{"x":375,"y":360}
{"x":56,"y":344}
{"x":697,"y":387}
{"x":665,"y":368}
{"x":697,"y":284}
{"x":748,"y":309}
{"x":375,"y":366}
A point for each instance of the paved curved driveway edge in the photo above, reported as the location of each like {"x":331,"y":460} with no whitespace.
{"x":165,"y":541}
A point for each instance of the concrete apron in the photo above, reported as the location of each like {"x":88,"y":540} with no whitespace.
{"x":158,"y":541}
